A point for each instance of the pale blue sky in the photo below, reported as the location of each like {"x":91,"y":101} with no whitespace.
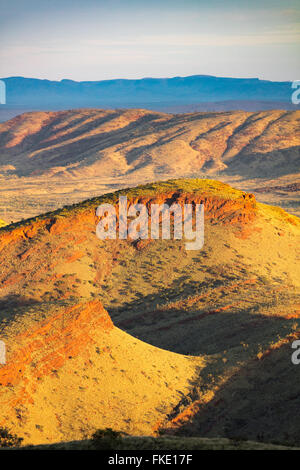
{"x":103,"y":39}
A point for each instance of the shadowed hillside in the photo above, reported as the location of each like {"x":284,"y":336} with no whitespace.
{"x":162,"y":443}
{"x":74,"y":372}
{"x":71,"y":369}
{"x":267,"y":401}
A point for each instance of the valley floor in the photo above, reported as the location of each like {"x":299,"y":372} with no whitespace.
{"x":22,"y":198}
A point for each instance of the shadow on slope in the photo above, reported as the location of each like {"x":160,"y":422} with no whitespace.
{"x":259,"y":402}
{"x":262,"y":165}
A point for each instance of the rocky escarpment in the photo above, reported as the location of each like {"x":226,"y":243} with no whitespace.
{"x":63,"y":237}
{"x":239,"y":209}
{"x":43,"y":350}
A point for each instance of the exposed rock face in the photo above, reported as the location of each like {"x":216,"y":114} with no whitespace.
{"x":75,"y":372}
{"x":240,"y":209}
{"x":46,"y":348}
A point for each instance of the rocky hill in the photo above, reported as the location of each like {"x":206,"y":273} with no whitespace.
{"x":184,"y":332}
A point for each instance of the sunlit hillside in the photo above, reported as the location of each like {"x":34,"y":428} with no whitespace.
{"x":145,"y":335}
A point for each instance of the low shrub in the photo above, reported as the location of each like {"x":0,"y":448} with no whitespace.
{"x":106,"y":439}
{"x":9,"y":440}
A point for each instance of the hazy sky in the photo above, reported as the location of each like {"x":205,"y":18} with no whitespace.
{"x":103,"y":39}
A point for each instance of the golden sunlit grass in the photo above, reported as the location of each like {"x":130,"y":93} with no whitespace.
{"x":227,"y":304}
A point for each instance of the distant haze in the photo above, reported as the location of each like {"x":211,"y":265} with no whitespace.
{"x":105,"y":39}
{"x":152,"y":93}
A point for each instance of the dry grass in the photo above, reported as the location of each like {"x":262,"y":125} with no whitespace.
{"x":225,"y":304}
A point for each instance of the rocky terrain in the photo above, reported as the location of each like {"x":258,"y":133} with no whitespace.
{"x":146,"y":336}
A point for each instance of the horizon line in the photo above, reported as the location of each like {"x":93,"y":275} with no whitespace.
{"x":147,"y":78}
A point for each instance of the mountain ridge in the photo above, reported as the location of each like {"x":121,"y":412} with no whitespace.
{"x":137,"y":92}
{"x":212,"y":141}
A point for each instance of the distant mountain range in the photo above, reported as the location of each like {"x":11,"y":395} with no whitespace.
{"x":194,"y":93}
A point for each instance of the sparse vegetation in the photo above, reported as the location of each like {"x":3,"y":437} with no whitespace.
{"x":107,"y":439}
{"x":8,"y":439}
{"x":189,"y":314}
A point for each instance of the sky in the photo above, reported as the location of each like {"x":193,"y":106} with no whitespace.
{"x":106,"y":39}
